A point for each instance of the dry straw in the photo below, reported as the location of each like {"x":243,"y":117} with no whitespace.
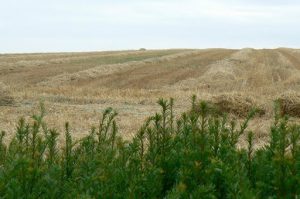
{"x":109,"y":69}
{"x":290,"y":104}
{"x":5,"y":95}
{"x":237,"y":104}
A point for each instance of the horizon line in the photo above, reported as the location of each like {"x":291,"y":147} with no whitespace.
{"x":139,"y":49}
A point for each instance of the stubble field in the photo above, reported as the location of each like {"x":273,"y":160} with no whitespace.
{"x":77,"y":87}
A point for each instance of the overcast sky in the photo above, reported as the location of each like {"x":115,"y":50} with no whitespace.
{"x":89,"y":25}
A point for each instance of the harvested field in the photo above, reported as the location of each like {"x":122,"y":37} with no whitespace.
{"x":5,"y":96}
{"x":76,"y":87}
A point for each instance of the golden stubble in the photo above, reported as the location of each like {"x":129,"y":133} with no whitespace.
{"x":77,"y":87}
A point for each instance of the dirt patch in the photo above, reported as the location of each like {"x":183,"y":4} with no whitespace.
{"x":5,"y":96}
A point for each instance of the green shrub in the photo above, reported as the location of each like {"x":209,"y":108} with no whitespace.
{"x":193,"y":157}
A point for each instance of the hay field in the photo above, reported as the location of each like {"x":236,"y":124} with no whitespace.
{"x":76,"y":87}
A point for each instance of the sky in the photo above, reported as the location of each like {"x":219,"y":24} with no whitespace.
{"x":95,"y":25}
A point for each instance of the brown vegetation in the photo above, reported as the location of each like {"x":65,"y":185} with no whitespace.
{"x":237,"y":104}
{"x":5,"y":95}
{"x":73,"y":84}
{"x":290,"y":104}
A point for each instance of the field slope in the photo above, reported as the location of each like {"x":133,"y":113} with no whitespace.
{"x":78,"y":86}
